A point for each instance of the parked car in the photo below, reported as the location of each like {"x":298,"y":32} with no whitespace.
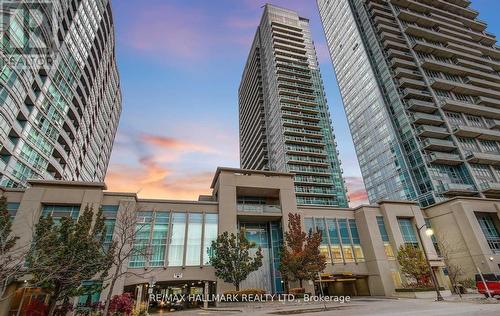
{"x":492,"y":282}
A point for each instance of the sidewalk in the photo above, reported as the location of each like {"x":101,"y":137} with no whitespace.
{"x":472,"y":298}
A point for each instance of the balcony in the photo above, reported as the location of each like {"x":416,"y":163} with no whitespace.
{"x":407,"y":73}
{"x":432,"y":131}
{"x":411,"y":83}
{"x":429,"y":63}
{"x":444,"y":158}
{"x":428,"y":119}
{"x":495,"y":124}
{"x":477,"y":132}
{"x":470,"y":64}
{"x":469,"y":108}
{"x":420,"y":106}
{"x":454,"y":189}
{"x":395,"y":45}
{"x":482,"y":158}
{"x":398,"y":62}
{"x":396,"y":53}
{"x":482,"y":83}
{"x":488,"y":101}
{"x":490,"y":188}
{"x":438,"y":144}
{"x":258,"y":208}
{"x":463,"y":88}
{"x":409,"y":93}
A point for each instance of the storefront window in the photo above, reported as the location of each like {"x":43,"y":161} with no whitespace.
{"x":324,"y":247}
{"x":358,"y":251}
{"x":159,"y":239}
{"x":193,"y":250}
{"x":334,"y":240}
{"x":210,"y":235}
{"x":143,"y":230}
{"x":176,"y":249}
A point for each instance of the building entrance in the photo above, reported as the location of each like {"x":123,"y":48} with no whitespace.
{"x":342,"y":285}
{"x":174,"y":295}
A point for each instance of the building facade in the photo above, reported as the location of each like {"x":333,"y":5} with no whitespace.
{"x":283,"y":114}
{"x":58,"y":115}
{"x":419,"y":81}
{"x":360,"y":244}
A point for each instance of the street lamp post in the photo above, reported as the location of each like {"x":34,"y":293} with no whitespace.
{"x":429,"y":232}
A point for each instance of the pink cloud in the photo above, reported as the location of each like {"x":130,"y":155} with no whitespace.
{"x":171,"y":143}
{"x":356,"y":191}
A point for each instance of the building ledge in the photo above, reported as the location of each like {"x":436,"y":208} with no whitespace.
{"x":99,"y":185}
{"x":248,"y":172}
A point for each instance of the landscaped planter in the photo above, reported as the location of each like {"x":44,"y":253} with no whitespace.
{"x":421,"y":293}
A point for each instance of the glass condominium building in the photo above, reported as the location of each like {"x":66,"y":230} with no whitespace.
{"x":283,"y":115}
{"x":58,"y":115}
{"x":420,"y":81}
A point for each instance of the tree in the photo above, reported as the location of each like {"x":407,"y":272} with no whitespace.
{"x":455,"y":271}
{"x":231,"y":258}
{"x":125,"y":232}
{"x":301,"y":258}
{"x":122,"y":304}
{"x":413,"y":265}
{"x":10,"y":256}
{"x":64,"y":254}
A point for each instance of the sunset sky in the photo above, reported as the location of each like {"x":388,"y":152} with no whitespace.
{"x":180,"y":65}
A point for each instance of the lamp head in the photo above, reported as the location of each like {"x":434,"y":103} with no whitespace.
{"x":429,"y":232}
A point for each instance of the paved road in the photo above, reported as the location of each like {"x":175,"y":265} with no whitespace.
{"x":359,"y":306}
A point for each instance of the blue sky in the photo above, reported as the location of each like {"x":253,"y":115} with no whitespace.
{"x":180,"y":64}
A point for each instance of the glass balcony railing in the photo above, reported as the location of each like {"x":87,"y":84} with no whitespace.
{"x":258,"y":208}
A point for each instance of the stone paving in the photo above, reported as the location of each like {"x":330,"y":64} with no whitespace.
{"x":468,"y":305}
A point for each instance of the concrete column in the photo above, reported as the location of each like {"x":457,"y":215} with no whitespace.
{"x":205,"y":295}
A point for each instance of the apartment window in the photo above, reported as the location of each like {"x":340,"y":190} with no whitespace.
{"x":489,"y":146}
{"x":176,"y":249}
{"x":453,"y":77}
{"x":468,"y":143}
{"x":432,"y":73}
{"x":60,"y":211}
{"x":490,"y":231}
{"x":408,"y":231}
{"x":475,"y":121}
{"x":210,"y":234}
{"x":423,"y":55}
{"x":482,"y":172}
{"x":442,"y":93}
{"x":193,"y":245}
{"x":464,"y":98}
{"x":455,"y":118}
{"x":385,"y":237}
